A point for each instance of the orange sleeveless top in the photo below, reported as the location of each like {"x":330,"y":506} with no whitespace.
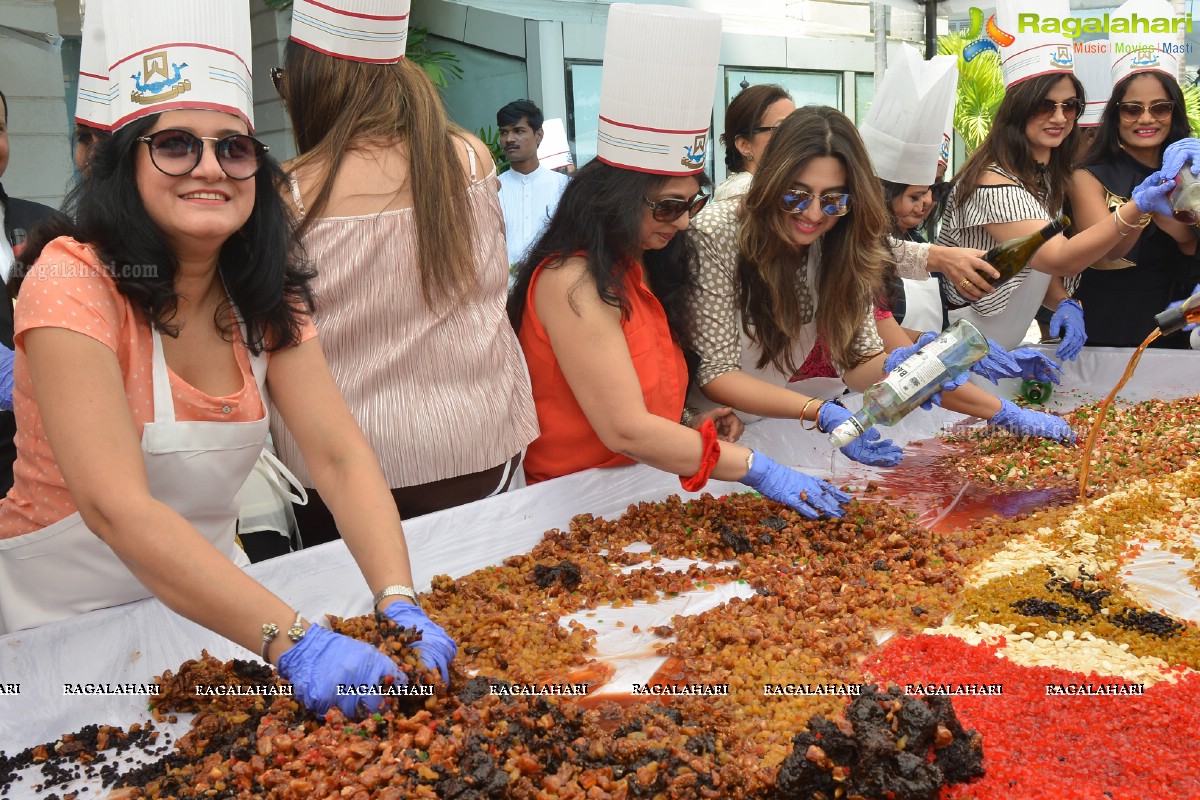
{"x":568,"y":443}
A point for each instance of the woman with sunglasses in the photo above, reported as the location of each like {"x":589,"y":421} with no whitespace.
{"x":1010,"y":187}
{"x":400,"y":215}
{"x":750,"y":119}
{"x":599,"y":302}
{"x":802,"y":261}
{"x":148,"y":330}
{"x":1153,"y":262}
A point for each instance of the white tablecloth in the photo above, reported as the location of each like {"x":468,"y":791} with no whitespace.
{"x":132,"y":643}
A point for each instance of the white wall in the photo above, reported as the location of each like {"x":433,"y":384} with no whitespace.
{"x":31,"y":77}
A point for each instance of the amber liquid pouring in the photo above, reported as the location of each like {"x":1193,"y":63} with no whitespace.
{"x":1099,"y":423}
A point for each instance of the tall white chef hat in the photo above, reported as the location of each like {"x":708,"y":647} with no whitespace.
{"x":906,"y":123}
{"x":656,"y":91}
{"x":554,"y":151}
{"x":1025,"y":51}
{"x":1139,"y":42}
{"x":1092,"y":69}
{"x":193,"y":55}
{"x":95,"y":95}
{"x":374,"y":31}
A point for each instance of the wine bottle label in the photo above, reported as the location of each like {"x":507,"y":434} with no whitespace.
{"x":915,"y":374}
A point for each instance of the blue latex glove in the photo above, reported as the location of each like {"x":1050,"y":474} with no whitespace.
{"x":1178,"y":154}
{"x":1035,"y":366}
{"x":787,"y":485}
{"x":1151,"y":194}
{"x":1176,"y":304}
{"x":902,"y":354}
{"x":1026,"y":422}
{"x":996,"y":364}
{"x":866,"y":449}
{"x":322,"y":659}
{"x":6,"y":378}
{"x":1067,"y":322}
{"x":436,"y":646}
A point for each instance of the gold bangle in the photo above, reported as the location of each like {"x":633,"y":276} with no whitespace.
{"x":269,"y":631}
{"x":804,"y":411}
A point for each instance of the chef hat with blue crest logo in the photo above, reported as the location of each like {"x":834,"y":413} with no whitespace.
{"x":656,"y":90}
{"x":172,"y":56}
{"x":1025,"y":50}
{"x":1142,"y":48}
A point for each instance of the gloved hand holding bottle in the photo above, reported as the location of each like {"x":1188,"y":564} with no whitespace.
{"x":902,"y":354}
{"x":867,"y":449}
{"x":812,"y":497}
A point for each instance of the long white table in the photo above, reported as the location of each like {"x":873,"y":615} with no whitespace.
{"x":135,"y":642}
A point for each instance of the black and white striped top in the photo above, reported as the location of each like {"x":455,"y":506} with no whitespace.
{"x":963,"y":226}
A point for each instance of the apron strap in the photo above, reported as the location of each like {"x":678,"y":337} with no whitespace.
{"x":164,"y":404}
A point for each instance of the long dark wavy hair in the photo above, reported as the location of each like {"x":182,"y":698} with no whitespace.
{"x":1007,"y":146}
{"x":262,"y":266}
{"x":853,"y":256}
{"x":600,"y":215}
{"x":1107,"y":144}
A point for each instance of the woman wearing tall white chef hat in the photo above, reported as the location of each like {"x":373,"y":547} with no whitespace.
{"x":148,"y":332}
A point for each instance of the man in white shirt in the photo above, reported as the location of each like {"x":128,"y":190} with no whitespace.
{"x":529,"y":192}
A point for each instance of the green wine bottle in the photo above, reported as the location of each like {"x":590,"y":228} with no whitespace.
{"x":1036,"y":392}
{"x":1011,"y":256}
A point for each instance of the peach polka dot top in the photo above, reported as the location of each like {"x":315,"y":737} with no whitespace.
{"x":69,"y":288}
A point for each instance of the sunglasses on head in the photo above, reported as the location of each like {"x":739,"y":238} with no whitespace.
{"x":797,"y":201}
{"x":1071,"y":109}
{"x":1160,"y":110}
{"x":176,"y":152}
{"x":673,"y":208}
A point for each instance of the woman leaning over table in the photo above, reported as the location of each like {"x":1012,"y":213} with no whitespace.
{"x":815,"y":203}
{"x":599,"y":301}
{"x":141,"y":395}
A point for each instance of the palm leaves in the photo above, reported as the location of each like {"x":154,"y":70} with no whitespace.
{"x":1191,"y":99}
{"x":980,"y":90}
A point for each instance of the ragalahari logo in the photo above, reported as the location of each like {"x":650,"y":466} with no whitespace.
{"x":986,"y":36}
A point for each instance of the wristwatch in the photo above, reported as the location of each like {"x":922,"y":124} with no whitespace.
{"x":396,"y":590}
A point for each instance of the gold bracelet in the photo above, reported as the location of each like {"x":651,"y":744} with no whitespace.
{"x":804,"y":411}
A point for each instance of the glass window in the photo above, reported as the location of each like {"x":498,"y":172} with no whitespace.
{"x":489,"y":81}
{"x":864,"y":93}
{"x":583,"y":88}
{"x":806,"y":88}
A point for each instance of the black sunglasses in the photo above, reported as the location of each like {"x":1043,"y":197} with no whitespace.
{"x":175,"y":153}
{"x":797,"y":201}
{"x":277,"y":76}
{"x":1071,"y":108}
{"x":1160,"y":110}
{"x":763,"y":129}
{"x":673,"y":208}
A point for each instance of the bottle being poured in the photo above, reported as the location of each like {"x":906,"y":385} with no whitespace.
{"x":1185,"y":197}
{"x":915,"y":380}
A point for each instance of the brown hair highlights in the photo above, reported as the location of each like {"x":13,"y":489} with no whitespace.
{"x":336,"y":104}
{"x":853,"y":255}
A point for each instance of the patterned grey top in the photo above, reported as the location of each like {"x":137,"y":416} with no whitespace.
{"x":716,"y":321}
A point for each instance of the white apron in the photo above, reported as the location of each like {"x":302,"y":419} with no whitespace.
{"x":1008,"y":328}
{"x":922,"y":304}
{"x":196,"y":468}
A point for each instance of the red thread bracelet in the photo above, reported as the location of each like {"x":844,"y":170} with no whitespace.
{"x":708,"y":459}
